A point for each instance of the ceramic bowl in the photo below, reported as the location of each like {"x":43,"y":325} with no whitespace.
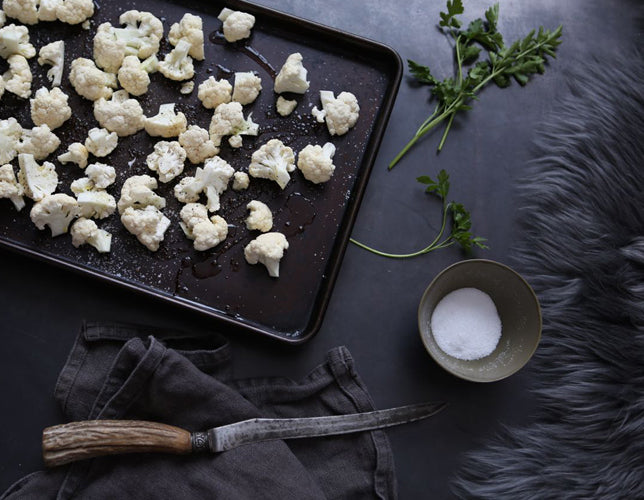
{"x":516,"y":304}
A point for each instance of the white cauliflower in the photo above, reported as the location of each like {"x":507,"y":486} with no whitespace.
{"x":340,"y":113}
{"x":56,"y":211}
{"x":25,"y":11}
{"x":260,"y":217}
{"x":49,"y":107}
{"x":3,"y":18}
{"x":197,"y":144}
{"x":121,"y":114}
{"x":137,"y":192}
{"x":273,"y":161}
{"x":39,"y":141}
{"x":75,"y":11}
{"x":247,"y":87}
{"x":142,"y":33}
{"x":10,"y":133}
{"x":241,"y":181}
{"x":167,"y":123}
{"x":228,"y":119}
{"x":95,"y":203}
{"x":133,"y":77}
{"x":167,"y":160}
{"x":53,"y":54}
{"x":10,"y":187}
{"x":285,"y":106}
{"x":80,"y":185}
{"x":101,"y":142}
{"x":48,"y":10}
{"x":37,"y":181}
{"x":147,"y":224}
{"x":177,"y":65}
{"x":109,"y":51}
{"x":237,"y":25}
{"x":207,"y":232}
{"x":190,"y":29}
{"x":89,"y":81}
{"x":15,"y":40}
{"x":292,"y":76}
{"x":76,"y":153}
{"x":85,"y":231}
{"x":267,"y":249}
{"x":213,"y":92}
{"x":212,"y":180}
{"x":187,"y":87}
{"x":101,"y":175}
{"x":18,"y":78}
{"x":316,"y":162}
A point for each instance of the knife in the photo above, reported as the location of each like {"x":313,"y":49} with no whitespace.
{"x":74,"y":441}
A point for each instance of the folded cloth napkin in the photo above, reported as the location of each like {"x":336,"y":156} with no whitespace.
{"x":130,"y":372}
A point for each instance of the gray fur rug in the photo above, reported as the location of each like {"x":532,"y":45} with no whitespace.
{"x":583,"y":217}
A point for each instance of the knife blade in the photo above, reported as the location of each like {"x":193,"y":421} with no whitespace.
{"x":75,"y":441}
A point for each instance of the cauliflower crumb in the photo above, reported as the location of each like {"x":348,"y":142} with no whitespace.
{"x":10,"y":187}
{"x":121,"y":114}
{"x":213,"y":92}
{"x":147,"y":224}
{"x":85,"y":231}
{"x":17,"y":79}
{"x":197,"y":144}
{"x":267,"y":249}
{"x":207,"y":232}
{"x":39,"y":141}
{"x":10,"y":133}
{"x":260,"y":217}
{"x":190,"y":29}
{"x":37,"y":181}
{"x":187,"y":87}
{"x":101,"y":142}
{"x":292,"y":76}
{"x":273,"y":161}
{"x":53,"y":54}
{"x":284,"y":106}
{"x":76,"y":153}
{"x":340,"y":113}
{"x":247,"y":87}
{"x":49,"y":107}
{"x":89,"y":81}
{"x":167,"y":123}
{"x":237,"y":25}
{"x":167,"y":160}
{"x":316,"y":162}
{"x":241,"y":181}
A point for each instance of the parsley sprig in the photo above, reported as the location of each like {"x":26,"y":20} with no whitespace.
{"x":519,"y":61}
{"x":460,"y":227}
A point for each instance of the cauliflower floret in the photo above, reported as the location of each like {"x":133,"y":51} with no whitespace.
{"x":39,"y":141}
{"x":167,"y":160}
{"x":260,"y":217}
{"x":80,"y":185}
{"x":18,"y":78}
{"x":187,"y":87}
{"x":49,"y":107}
{"x":267,"y":249}
{"x":76,"y":153}
{"x":167,"y":123}
{"x":56,"y":211}
{"x":53,"y":54}
{"x":292,"y":76}
{"x":212,"y":179}
{"x":316,"y":162}
{"x":133,"y":77}
{"x":137,"y":192}
{"x":120,"y":114}
{"x":340,"y":113}
{"x":207,"y":232}
{"x":25,"y":11}
{"x":247,"y":87}
{"x":197,"y":144}
{"x":75,"y":11}
{"x":237,"y":25}
{"x":284,"y":106}
{"x":228,"y":119}
{"x":101,"y":175}
{"x":38,"y":181}
{"x":10,"y":133}
{"x":142,"y":33}
{"x":89,"y":81}
{"x":177,"y":65}
{"x":148,"y":225}
{"x":101,"y":142}
{"x":213,"y":92}
{"x":48,"y":10}
{"x":187,"y":190}
{"x":3,"y":18}
{"x":273,"y":161}
{"x":10,"y":187}
{"x":241,"y":181}
{"x":95,"y":203}
{"x":85,"y":231}
{"x":190,"y":28}
{"x":15,"y":40}
{"x":109,"y":51}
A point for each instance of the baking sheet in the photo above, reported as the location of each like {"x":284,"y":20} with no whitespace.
{"x":316,"y":219}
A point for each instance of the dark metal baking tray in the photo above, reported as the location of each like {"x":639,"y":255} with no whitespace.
{"x":317,"y":219}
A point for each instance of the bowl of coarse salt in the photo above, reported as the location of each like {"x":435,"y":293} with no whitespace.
{"x":480,"y":320}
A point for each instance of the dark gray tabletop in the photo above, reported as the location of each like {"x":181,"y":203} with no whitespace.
{"x":373,"y":307}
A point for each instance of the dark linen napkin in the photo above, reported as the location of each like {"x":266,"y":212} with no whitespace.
{"x":131,"y":372}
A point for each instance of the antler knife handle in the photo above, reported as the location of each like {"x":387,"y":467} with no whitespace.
{"x":67,"y":443}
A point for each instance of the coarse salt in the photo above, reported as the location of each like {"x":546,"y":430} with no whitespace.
{"x":466,"y":324}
